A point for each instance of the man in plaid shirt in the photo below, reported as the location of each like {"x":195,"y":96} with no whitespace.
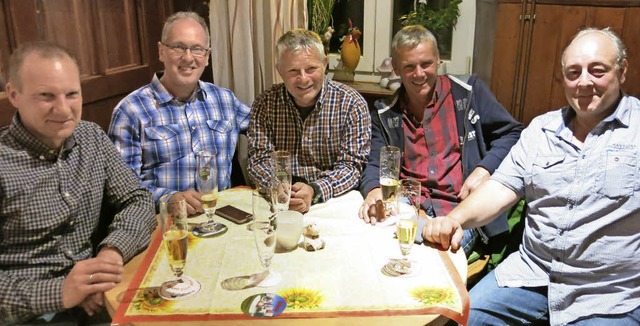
{"x":57,"y":173}
{"x":325,"y":125}
{"x":160,"y":127}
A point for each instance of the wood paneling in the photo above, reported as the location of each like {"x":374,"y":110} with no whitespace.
{"x":538,"y":87}
{"x":115,"y":42}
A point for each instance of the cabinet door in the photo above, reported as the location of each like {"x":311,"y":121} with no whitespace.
{"x":539,"y":85}
{"x":113,"y":40}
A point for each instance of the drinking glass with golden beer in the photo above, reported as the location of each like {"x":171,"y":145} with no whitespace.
{"x":175,"y":231}
{"x":389,"y":175}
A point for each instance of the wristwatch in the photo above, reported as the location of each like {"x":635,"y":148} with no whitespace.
{"x":317,"y":194}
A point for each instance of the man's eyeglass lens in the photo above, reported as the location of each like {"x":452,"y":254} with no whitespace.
{"x":195,"y":50}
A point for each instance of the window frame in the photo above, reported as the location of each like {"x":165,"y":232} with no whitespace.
{"x":377,"y":35}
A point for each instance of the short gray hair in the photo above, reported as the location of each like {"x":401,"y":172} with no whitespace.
{"x":44,"y":49}
{"x":300,"y":39}
{"x":617,"y":42}
{"x":411,"y":36}
{"x":180,"y":15}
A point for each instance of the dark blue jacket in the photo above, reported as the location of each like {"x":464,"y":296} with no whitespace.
{"x":485,"y":129}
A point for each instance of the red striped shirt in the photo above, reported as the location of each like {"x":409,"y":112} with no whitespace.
{"x":432,"y":152}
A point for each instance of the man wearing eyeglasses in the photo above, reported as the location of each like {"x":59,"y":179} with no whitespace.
{"x":159,"y":127}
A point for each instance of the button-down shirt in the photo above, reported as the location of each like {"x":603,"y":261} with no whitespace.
{"x":158,"y":135}
{"x":328,"y":148}
{"x":432,"y":153}
{"x":50,"y":206}
{"x":582,"y":233}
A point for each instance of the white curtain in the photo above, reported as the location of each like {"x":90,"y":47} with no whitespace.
{"x":243,"y":37}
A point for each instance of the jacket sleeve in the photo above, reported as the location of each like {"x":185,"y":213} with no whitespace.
{"x":500,"y":130}
{"x":370,"y":177}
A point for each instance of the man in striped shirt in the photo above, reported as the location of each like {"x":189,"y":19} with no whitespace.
{"x":325,"y":125}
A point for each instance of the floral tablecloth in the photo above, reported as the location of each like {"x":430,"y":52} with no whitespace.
{"x":343,"y":279}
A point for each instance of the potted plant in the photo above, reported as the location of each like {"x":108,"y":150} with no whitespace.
{"x":439,"y":21}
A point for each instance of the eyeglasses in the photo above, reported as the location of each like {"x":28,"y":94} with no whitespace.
{"x":196,"y":51}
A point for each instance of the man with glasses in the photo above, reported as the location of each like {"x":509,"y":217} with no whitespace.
{"x":160,"y":127}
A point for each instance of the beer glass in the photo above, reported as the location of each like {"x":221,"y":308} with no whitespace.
{"x":389,"y":175}
{"x":281,"y":182}
{"x":207,"y":185}
{"x":174,"y":228}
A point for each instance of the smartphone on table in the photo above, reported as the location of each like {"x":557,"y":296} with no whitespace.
{"x":234,"y":214}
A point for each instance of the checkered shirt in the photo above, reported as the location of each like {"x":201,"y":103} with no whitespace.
{"x":50,"y":204}
{"x":329,"y":148}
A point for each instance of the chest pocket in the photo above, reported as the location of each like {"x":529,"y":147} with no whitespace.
{"x":165,"y":143}
{"x":618,"y":175}
{"x":222,"y":126}
{"x":548,"y":172}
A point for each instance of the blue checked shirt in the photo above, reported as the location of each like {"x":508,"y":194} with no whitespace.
{"x":328,"y":148}
{"x":158,"y":135}
{"x":50,"y":209}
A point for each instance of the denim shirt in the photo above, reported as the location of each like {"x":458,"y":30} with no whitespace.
{"x":582,"y":233}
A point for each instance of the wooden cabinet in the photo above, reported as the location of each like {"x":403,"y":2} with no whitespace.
{"x":530,"y":38}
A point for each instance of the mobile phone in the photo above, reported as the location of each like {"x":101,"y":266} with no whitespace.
{"x":234,"y":214}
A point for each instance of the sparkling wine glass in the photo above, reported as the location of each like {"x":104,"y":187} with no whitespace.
{"x":407,"y":203}
{"x":264,"y":231}
{"x":281,"y":182}
{"x":174,"y":228}
{"x":389,"y":175}
{"x":207,"y":186}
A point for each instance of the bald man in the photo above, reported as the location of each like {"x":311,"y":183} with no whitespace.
{"x":578,"y":170}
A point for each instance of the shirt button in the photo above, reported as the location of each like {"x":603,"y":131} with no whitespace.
{"x":193,"y":128}
{"x":66,"y":194}
{"x":432,"y":171}
{"x":41,"y":157}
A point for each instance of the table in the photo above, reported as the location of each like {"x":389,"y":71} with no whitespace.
{"x":345,"y":275}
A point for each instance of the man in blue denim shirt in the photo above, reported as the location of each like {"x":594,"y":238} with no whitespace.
{"x":159,"y":127}
{"x":577,"y":169}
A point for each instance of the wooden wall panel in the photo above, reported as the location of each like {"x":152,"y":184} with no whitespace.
{"x":505,"y":53}
{"x":114,"y":40}
{"x":630,"y":34}
{"x":554,"y":26}
{"x":123,"y":48}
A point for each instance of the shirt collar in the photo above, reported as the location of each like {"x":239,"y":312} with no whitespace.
{"x":319,"y":101}
{"x":163,"y":95}
{"x":34,"y":146}
{"x":621,"y":115}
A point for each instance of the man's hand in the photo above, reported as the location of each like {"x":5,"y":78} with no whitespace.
{"x":91,"y":276}
{"x":475,"y":179}
{"x":368,"y":211}
{"x":194,"y":204}
{"x":443,"y":232}
{"x":301,"y":194}
{"x":94,"y":302}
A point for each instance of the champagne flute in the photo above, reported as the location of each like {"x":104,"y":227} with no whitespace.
{"x":175,"y":230}
{"x":281,"y":182}
{"x":207,"y":186}
{"x":264,"y":232}
{"x":407,"y":203}
{"x":389,"y":175}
